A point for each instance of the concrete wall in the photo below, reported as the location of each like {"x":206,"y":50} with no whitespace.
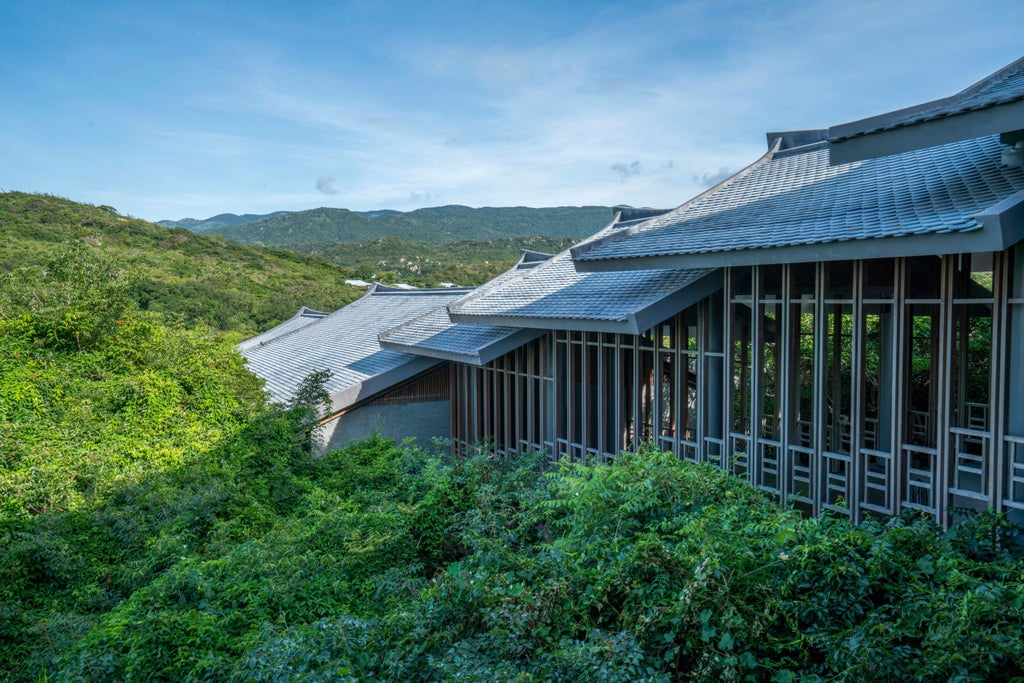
{"x":421,"y":421}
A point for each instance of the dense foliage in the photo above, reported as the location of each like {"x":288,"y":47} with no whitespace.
{"x":195,"y":278}
{"x":436,"y":225}
{"x":158,"y":521}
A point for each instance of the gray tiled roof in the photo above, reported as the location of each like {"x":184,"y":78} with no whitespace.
{"x":304,"y":317}
{"x":797,"y":198}
{"x":434,"y":334}
{"x":555,"y":291}
{"x":1003,"y":87}
{"x":344,"y":342}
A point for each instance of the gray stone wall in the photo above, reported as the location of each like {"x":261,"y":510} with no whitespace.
{"x":420,"y":421}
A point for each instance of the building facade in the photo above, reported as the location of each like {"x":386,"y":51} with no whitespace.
{"x":866,"y":386}
{"x":842,"y":322}
{"x":372,"y":390}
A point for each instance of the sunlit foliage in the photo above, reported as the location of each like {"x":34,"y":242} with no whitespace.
{"x":158,"y":521}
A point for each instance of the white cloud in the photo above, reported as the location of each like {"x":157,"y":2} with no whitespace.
{"x":711,"y":178}
{"x":626,"y":171}
{"x":325,"y":185}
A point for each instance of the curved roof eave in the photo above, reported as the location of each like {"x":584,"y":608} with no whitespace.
{"x":1001,"y":226}
{"x":995,"y":104}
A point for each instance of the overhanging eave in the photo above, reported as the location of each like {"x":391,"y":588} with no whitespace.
{"x":999,"y":232}
{"x":484,"y":354}
{"x":1001,"y":118}
{"x":636,"y":322}
{"x":374,"y":385}
{"x":678,"y":300}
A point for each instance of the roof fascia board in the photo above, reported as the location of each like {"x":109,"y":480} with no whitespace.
{"x":889,"y":118}
{"x":1000,"y":118}
{"x":484,"y":354}
{"x":581,"y":250}
{"x":989,"y":238}
{"x":886,"y":119}
{"x":1005,"y":219}
{"x":678,"y":300}
{"x":428,"y":352}
{"x":509,"y":343}
{"x":625,"y":325}
{"x":361,"y":391}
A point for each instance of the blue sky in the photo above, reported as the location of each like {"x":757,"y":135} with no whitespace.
{"x":174,"y":109}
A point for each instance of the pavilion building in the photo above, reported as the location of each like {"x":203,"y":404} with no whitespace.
{"x":372,"y":390}
{"x":841,"y":322}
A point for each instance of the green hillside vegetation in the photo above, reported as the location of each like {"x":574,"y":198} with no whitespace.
{"x":158,"y":521}
{"x":174,"y":271}
{"x":223,"y":220}
{"x":393,"y":259}
{"x":435,"y":225}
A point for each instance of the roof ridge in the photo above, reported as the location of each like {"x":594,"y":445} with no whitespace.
{"x":1011,"y":69}
{"x":319,"y":319}
{"x":580,"y":250}
{"x":303,"y":312}
{"x":391,"y":291}
{"x":521,"y":273}
{"x":532,"y":257}
{"x":485,"y":287}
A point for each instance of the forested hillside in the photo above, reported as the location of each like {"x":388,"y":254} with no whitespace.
{"x":393,"y":259}
{"x":173,"y":271}
{"x":435,"y":225}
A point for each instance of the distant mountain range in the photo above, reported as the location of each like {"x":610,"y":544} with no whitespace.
{"x":435,"y":225}
{"x":224,"y":220}
{"x":233,"y":220}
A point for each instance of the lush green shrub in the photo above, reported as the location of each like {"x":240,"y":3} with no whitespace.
{"x":656,"y":568}
{"x":72,"y":302}
{"x":159,"y":521}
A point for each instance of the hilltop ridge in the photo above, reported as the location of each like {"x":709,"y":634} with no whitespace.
{"x":435,"y":225}
{"x":221,"y":220}
{"x":192,"y":276}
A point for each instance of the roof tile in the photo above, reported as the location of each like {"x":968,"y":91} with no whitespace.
{"x":556,"y":290}
{"x":798,"y":198}
{"x":344,"y":342}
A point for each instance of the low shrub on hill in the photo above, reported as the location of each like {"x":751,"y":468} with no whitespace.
{"x":395,"y":564}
